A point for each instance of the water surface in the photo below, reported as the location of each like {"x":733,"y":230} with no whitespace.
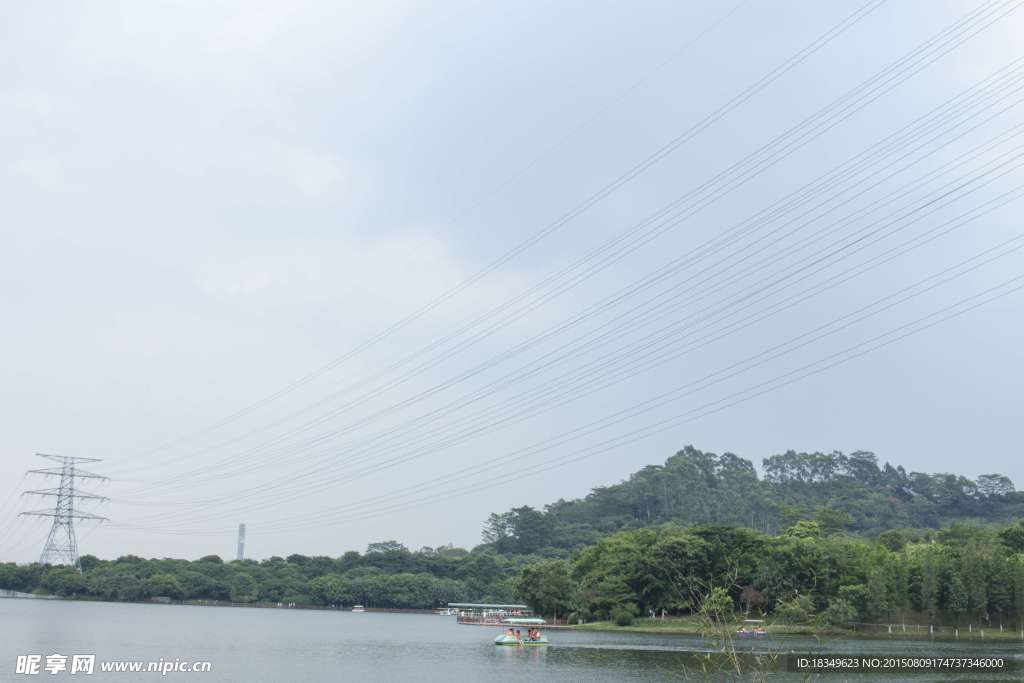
{"x":278,"y":645}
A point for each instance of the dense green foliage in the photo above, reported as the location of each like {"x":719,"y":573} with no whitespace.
{"x":387,"y":575}
{"x":825,"y":539}
{"x":849,"y":492}
{"x":964,"y":574}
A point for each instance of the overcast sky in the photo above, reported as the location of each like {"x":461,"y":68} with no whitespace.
{"x":208,"y":206}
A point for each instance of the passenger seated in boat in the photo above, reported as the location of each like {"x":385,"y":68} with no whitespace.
{"x":510,"y":633}
{"x":519,"y":634}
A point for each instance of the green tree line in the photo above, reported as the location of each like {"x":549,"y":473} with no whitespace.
{"x":963,"y":574}
{"x":387,"y":575}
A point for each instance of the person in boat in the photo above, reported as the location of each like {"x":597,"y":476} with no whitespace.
{"x":519,"y":635}
{"x":510,"y":633}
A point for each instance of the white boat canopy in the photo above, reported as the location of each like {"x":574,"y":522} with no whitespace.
{"x":524,"y":621}
{"x":481,"y":605}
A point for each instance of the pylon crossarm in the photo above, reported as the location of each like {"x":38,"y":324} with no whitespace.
{"x":58,"y":471}
{"x":50,"y":471}
{"x":67,"y":458}
{"x":82,"y":516}
{"x":82,"y":474}
{"x":57,"y":492}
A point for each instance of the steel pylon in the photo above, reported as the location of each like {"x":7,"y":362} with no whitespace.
{"x":61,"y":545}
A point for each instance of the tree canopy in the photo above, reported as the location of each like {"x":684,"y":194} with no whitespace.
{"x":838,"y":492}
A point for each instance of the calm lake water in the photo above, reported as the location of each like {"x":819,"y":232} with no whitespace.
{"x":282,"y":645}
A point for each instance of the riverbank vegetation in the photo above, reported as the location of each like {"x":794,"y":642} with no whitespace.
{"x":821,"y":541}
{"x":804,"y":578}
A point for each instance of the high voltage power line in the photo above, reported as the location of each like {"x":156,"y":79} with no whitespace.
{"x":11,"y":498}
{"x":924,"y":57}
{"x":1009,"y":247}
{"x":797,"y":58}
{"x":5,"y":533}
{"x":960,"y":220}
{"x":604,"y":364}
{"x":661,"y":344}
{"x":236,"y":497}
{"x":9,"y":505}
{"x":878,"y":182}
{"x":827,"y":362}
{"x":476,"y":394}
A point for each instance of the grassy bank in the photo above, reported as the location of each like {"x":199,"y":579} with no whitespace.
{"x":684,"y":626}
{"x":692,"y":626}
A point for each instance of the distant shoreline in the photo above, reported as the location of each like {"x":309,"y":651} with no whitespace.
{"x":690,"y":627}
{"x":274,"y":605}
{"x":219,"y":603}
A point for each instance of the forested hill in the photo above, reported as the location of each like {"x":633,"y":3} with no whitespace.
{"x":839,"y":491}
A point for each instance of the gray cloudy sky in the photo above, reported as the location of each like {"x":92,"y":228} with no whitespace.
{"x":204,"y":202}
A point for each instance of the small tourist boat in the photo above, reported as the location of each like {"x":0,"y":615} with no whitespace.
{"x":449,"y":612}
{"x":531,"y":624}
{"x":752,"y":628}
{"x":358,"y":608}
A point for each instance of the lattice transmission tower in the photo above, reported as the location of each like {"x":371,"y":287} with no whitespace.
{"x":62,"y":545}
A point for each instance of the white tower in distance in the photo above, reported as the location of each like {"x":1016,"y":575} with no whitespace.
{"x":241,"y":542}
